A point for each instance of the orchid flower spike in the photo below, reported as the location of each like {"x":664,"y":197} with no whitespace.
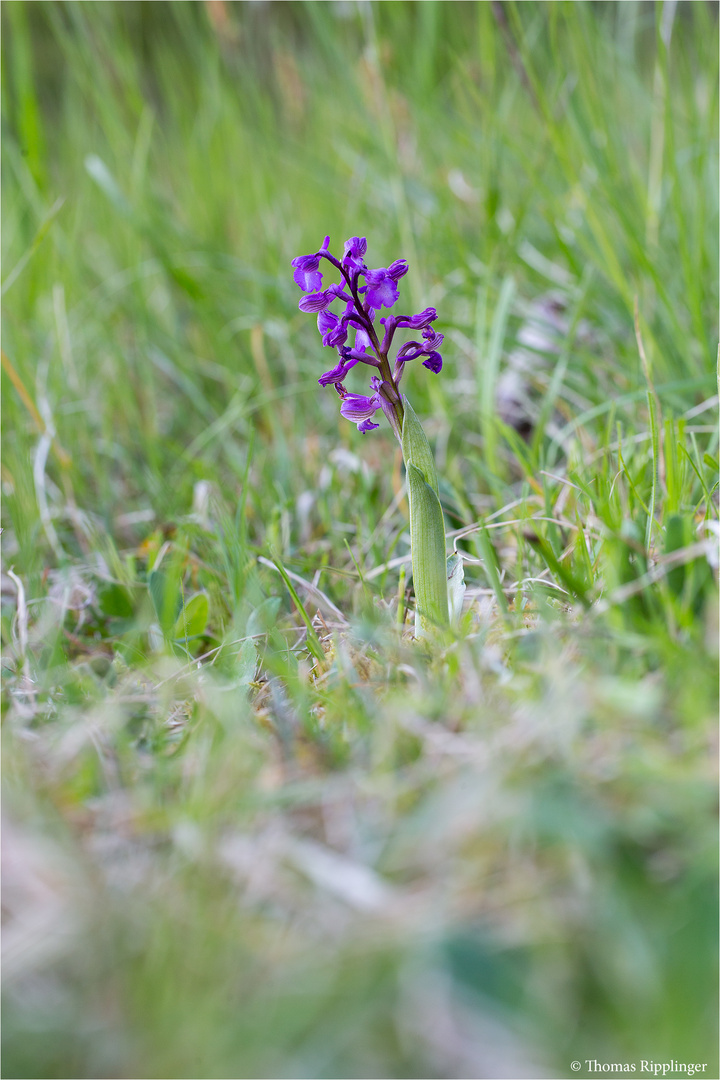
{"x":365,"y":292}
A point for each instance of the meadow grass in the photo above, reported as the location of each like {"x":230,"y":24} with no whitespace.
{"x":252,"y":827}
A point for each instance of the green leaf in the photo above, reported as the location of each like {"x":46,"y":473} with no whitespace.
{"x":572,"y":583}
{"x":416,"y":449}
{"x":678,"y":535}
{"x":116,"y":602}
{"x":427,"y":528}
{"x":313,"y":641}
{"x":455,"y":586}
{"x":247,"y":662}
{"x":193,"y":618}
{"x":427,"y":535}
{"x":166,"y":597}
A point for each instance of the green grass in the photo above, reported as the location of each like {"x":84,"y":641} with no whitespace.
{"x":243,"y":840}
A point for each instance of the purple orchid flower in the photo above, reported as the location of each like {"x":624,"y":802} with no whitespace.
{"x":307,"y":275}
{"x":411,"y":350}
{"x":381,"y":285}
{"x":332,"y":330}
{"x":317,"y":301}
{"x":362,"y":302}
{"x":433,"y":341}
{"x":417,"y":322}
{"x":355,"y":248}
{"x":338,"y":373}
{"x":361,"y":409}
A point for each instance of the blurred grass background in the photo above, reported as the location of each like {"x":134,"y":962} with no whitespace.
{"x":368,"y":860}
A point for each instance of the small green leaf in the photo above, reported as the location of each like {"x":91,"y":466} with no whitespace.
{"x":416,"y":449}
{"x":427,"y":535}
{"x":247,"y":662}
{"x":166,"y":597}
{"x":455,"y":586}
{"x":193,"y":618}
{"x":115,"y":602}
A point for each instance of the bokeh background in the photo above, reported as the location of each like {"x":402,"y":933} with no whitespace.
{"x":327,"y":852}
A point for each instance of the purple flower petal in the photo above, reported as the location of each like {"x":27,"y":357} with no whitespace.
{"x":434,"y":362}
{"x":357,"y":407}
{"x":380,"y":289}
{"x":397,"y":269}
{"x":339,"y":291}
{"x":433,"y":340}
{"x":327,"y":321}
{"x":307,"y":275}
{"x":409,"y":351}
{"x":332,"y":330}
{"x":338,"y":373}
{"x":308,"y":280}
{"x":412,"y":349}
{"x":365,"y":357}
{"x":362,"y":341}
{"x":417,"y":322}
{"x":317,"y":301}
{"x":355,"y":249}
